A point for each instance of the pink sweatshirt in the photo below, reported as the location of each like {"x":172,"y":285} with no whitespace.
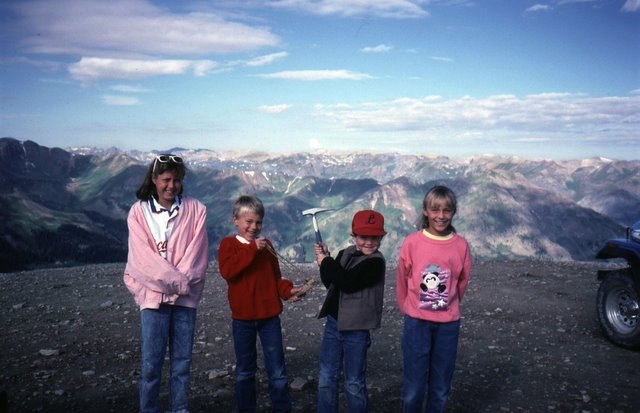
{"x":181,"y":276}
{"x":432,"y":277}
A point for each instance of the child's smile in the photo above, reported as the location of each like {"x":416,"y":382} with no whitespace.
{"x":367,"y":244}
{"x":439,"y":216}
{"x":249,"y":225}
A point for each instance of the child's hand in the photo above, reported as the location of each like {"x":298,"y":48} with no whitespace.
{"x":261,"y":243}
{"x":295,"y":296}
{"x":298,"y":292}
{"x":321,"y":251}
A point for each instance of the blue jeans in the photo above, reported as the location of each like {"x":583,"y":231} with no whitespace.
{"x":429,"y":353}
{"x":173,"y":325}
{"x":244,"y":343}
{"x":343,"y":351}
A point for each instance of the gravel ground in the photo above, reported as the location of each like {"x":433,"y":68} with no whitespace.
{"x":530,"y":343}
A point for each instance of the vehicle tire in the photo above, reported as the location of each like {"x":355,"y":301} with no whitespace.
{"x":618,"y":304}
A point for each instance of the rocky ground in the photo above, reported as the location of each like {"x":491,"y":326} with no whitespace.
{"x":530,"y":343}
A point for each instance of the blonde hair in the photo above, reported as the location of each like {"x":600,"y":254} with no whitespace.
{"x":248,"y":203}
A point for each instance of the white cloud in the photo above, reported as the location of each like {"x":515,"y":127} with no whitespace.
{"x":441,"y":59}
{"x":562,"y":2}
{"x":274,"y":108}
{"x":126,"y":28}
{"x":539,"y":8}
{"x":631,"y":6}
{"x":120,"y":100}
{"x":315,"y":144}
{"x":129,"y":89}
{"x":317,"y":75}
{"x":547,"y":114}
{"x":266,"y":59}
{"x":400,"y":9}
{"x":381,"y":48}
{"x":46,"y":65}
{"x":90,"y":69}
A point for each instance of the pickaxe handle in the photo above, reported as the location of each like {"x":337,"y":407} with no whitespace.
{"x":316,"y":229}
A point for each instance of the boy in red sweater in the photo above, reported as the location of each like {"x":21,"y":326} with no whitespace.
{"x":255,"y":291}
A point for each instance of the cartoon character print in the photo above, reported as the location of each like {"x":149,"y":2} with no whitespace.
{"x":434,"y":294}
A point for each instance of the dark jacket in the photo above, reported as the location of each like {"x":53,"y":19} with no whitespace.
{"x":355,"y":285}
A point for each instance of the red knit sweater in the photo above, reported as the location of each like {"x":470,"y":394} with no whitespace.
{"x":255,"y":284}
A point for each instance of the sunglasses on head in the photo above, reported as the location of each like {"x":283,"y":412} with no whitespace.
{"x":165,"y":159}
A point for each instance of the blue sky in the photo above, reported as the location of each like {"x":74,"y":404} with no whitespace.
{"x":543,"y":78}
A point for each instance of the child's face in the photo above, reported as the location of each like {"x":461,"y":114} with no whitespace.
{"x":168,"y":186}
{"x":439,"y":215}
{"x":367,"y":244}
{"x":249,"y":225}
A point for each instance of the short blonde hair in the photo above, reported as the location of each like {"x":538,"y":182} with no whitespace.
{"x":246,"y":203}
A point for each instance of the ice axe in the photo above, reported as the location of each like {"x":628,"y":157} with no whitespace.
{"x":313,"y":212}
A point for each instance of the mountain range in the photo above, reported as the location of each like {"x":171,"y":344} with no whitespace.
{"x":69,"y":206}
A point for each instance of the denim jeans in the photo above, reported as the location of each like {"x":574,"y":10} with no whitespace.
{"x":245,"y":334}
{"x":173,"y":325}
{"x":343,"y":351}
{"x":429,"y":353}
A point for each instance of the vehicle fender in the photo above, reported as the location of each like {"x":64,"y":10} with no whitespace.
{"x":622,"y":248}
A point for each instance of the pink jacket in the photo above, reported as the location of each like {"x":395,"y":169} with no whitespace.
{"x":181,"y":276}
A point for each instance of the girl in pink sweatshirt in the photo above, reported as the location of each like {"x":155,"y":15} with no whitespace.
{"x":433,"y":271}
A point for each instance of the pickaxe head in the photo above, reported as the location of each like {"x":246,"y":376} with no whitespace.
{"x":313,"y":212}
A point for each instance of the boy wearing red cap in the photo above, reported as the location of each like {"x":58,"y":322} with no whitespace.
{"x":353,"y":306}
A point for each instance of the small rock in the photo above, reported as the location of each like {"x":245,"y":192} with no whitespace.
{"x":298,"y":383}
{"x":49,"y":352}
{"x":222,"y":394}
{"x":216,"y":373}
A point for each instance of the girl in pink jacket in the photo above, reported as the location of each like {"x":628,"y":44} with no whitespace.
{"x":165,"y":272}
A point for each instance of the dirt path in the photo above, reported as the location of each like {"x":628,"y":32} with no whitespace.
{"x":530,"y":343}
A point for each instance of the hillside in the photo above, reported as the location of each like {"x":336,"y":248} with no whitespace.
{"x":69,"y":206}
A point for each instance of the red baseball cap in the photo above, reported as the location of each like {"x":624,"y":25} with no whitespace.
{"x":368,"y":223}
